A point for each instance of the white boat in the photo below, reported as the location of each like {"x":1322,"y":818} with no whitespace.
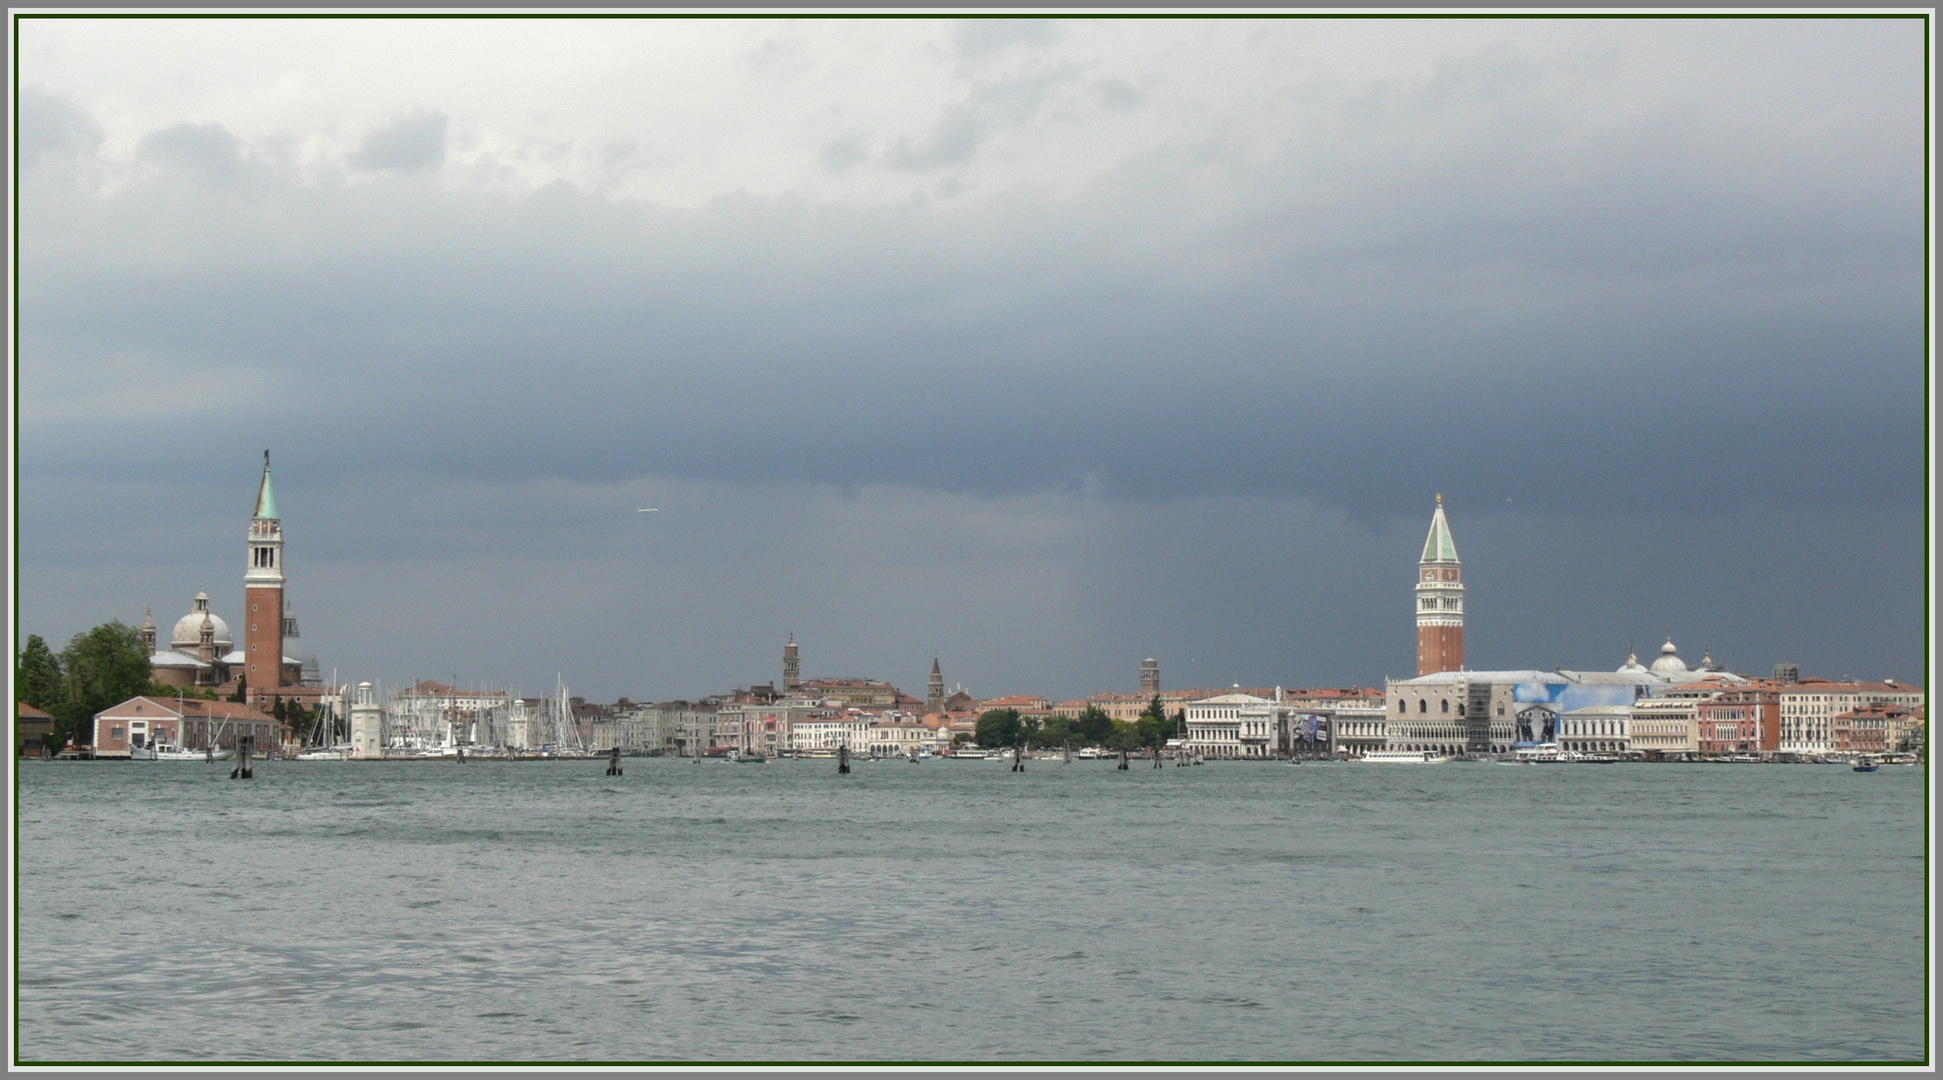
{"x":166,"y":752}
{"x":969,"y":754}
{"x":325,"y":753}
{"x":1404,"y":757}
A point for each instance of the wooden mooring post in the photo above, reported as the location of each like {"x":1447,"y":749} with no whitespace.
{"x":1018,"y":759}
{"x":614,"y":761}
{"x":1122,"y":767}
{"x":843,"y":759}
{"x":245,"y":744}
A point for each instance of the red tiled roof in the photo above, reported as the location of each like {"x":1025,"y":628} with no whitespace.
{"x":28,"y":712}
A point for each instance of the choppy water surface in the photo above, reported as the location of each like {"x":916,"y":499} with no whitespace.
{"x":958,"y":911}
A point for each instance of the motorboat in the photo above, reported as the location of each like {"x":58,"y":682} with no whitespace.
{"x":1866,"y":765}
{"x":969,"y":754}
{"x":1404,"y":757}
{"x":170,"y":752}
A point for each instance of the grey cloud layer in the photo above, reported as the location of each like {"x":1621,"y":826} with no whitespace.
{"x":1493,"y":278}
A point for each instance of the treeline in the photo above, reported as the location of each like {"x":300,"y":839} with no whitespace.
{"x":106,"y":666}
{"x":1007,"y":728}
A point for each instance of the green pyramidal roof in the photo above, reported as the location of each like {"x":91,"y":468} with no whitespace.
{"x":1438,"y":546}
{"x":266,"y":499}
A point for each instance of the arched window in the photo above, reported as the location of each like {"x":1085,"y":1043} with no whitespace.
{"x":1443,"y":705}
{"x":1402,"y":705}
{"x":1500,"y":708}
{"x":1423,"y":705}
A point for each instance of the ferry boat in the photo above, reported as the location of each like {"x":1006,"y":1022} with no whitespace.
{"x":1404,"y":757}
{"x":969,"y":754}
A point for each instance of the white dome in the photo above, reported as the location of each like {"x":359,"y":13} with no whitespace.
{"x":1669,"y":664}
{"x":188,"y":629}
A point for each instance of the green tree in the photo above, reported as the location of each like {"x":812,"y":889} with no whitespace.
{"x":1123,"y":736}
{"x":242,"y":693}
{"x":999,"y":728}
{"x":37,"y":675}
{"x":104,"y":666}
{"x":1093,"y":727}
{"x":1153,"y":728}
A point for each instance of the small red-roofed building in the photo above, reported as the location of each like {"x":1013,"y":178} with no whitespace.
{"x":1871,"y":729}
{"x":31,"y":730}
{"x":1808,"y":709}
{"x":144,"y":723}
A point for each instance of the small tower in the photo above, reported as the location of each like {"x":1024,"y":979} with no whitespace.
{"x":367,"y":724}
{"x":1149,"y":677}
{"x":934,"y":693}
{"x":1440,"y":600}
{"x":792,"y":666}
{"x":148,"y":631}
{"x":206,"y":639}
{"x":263,"y":595}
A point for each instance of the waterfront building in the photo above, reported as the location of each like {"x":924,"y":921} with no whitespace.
{"x":1743,"y":719}
{"x":145,"y":722}
{"x":833,"y":730}
{"x":1597,"y":729}
{"x":765,"y":728}
{"x":897,"y":735}
{"x":1666,"y":726}
{"x":1243,"y":725}
{"x":1490,"y":712}
{"x":1440,"y":600}
{"x":1808,"y":709}
{"x":1871,"y":729}
{"x":852,"y":693}
{"x":1358,"y":729}
{"x":31,"y":729}
{"x":1020,"y":702}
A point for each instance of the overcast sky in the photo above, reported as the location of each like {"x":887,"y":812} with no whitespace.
{"x":1038,"y":346}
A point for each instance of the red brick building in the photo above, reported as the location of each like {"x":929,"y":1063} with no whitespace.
{"x":31,"y":729}
{"x":183,"y":723}
{"x":1744,"y":720}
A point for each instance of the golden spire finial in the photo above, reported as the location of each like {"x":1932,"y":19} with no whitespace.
{"x":1440,"y":498}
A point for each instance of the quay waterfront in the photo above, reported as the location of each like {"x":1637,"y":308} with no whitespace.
{"x":943,"y":911}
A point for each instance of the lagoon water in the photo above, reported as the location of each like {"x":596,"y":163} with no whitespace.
{"x":541,"y":911}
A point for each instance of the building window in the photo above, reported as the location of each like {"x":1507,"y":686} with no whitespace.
{"x":1444,"y":705}
{"x":1423,"y":705}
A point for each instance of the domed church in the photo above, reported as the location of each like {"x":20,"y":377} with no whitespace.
{"x":201,"y":652}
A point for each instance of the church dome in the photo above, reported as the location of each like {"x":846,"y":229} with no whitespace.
{"x":188,"y":629}
{"x":1669,"y":665}
{"x":1632,"y":666}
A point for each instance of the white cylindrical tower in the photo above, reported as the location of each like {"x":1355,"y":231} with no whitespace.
{"x":367,"y":724}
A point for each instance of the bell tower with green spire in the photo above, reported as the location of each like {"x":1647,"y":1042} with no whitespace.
{"x":1440,"y":601}
{"x":262,"y":665}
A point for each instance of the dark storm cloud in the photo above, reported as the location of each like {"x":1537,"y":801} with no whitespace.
{"x":413,"y":143}
{"x":1196,"y":405}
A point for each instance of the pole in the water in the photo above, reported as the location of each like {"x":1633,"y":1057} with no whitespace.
{"x":1018,"y":759}
{"x":614,"y":761}
{"x":243,"y":771}
{"x":1123,"y":761}
{"x":843,"y":759}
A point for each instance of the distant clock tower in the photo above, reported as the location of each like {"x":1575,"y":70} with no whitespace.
{"x":1440,"y":601}
{"x":262,"y":665}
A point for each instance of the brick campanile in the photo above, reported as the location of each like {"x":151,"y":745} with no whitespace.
{"x":1440,"y":601}
{"x":262,"y":665}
